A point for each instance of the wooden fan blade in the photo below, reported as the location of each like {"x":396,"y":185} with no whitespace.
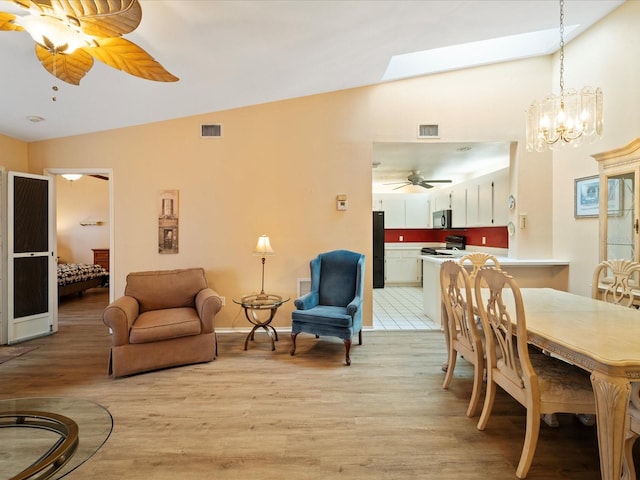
{"x":6,"y":22}
{"x":40,"y":6}
{"x":130,"y":58}
{"x":69,"y":68}
{"x":438,"y":181}
{"x":101,"y":18}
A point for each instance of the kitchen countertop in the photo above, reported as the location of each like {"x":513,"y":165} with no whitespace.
{"x":411,"y":245}
{"x":504,"y":261}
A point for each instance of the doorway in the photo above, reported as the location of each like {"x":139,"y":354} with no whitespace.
{"x":84,"y":218}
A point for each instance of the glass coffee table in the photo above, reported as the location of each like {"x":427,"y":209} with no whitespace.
{"x":254,"y":305}
{"x":46,"y":438}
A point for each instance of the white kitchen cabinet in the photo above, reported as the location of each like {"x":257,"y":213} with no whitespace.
{"x":393,"y":212}
{"x":458,"y":206}
{"x":402,"y":266}
{"x":441,"y":200}
{"x":417,"y":213}
{"x":486,"y":195}
{"x":403,"y":210}
{"x":482,"y":201}
{"x":502,"y":190}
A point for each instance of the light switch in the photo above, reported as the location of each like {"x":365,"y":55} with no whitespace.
{"x":341,"y":202}
{"x":523,"y":220}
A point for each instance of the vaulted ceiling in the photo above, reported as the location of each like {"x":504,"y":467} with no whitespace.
{"x":235,"y":53}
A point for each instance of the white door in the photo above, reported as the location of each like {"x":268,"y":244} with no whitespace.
{"x":31,"y":267}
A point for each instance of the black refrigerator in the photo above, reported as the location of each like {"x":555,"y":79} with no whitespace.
{"x":378,"y":249}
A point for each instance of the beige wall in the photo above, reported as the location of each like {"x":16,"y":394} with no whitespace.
{"x":278,"y":168}
{"x":86,"y":199}
{"x":606,"y":56}
{"x":14,"y":154}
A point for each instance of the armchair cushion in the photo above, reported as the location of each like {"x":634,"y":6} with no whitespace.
{"x":165,"y":324}
{"x":165,"y":289}
{"x":326,"y":315}
{"x":338,"y":284}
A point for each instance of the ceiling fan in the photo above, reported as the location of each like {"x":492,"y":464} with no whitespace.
{"x":69,"y":34}
{"x":415,"y":178}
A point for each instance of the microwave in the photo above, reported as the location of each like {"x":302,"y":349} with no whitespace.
{"x":442,"y":219}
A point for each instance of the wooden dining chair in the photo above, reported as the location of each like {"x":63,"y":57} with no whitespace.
{"x":541,"y":383}
{"x":477,"y":261}
{"x":614,"y":281}
{"x":463,"y":335}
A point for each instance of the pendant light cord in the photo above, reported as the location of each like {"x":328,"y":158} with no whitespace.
{"x":561,"y":48}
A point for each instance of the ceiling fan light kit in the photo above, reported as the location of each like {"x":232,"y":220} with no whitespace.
{"x":572,"y":117}
{"x":69,"y":35}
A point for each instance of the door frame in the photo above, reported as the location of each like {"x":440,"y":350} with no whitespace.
{"x":107,"y":172}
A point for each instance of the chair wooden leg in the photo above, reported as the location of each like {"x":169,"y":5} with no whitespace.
{"x":530,"y":441}
{"x":451,"y":365}
{"x":293,"y":343}
{"x":478,"y":370}
{"x":360,"y":337}
{"x":489,"y":398}
{"x":347,"y":346}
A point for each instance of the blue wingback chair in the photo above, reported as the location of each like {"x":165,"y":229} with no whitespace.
{"x":333,"y":307}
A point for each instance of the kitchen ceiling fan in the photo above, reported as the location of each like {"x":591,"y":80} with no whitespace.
{"x":415,"y":178}
{"x":69,"y":34}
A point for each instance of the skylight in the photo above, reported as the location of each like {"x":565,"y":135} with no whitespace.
{"x":473,"y":54}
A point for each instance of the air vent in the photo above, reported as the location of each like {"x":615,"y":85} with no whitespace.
{"x":304,"y":286}
{"x":210,"y":131}
{"x":428,"y":131}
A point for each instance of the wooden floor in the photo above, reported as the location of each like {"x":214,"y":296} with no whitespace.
{"x":266,"y":415}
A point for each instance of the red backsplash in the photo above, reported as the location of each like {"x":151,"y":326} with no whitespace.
{"x":496,"y":237}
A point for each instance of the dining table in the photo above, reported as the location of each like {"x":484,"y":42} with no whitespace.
{"x":600,"y":337}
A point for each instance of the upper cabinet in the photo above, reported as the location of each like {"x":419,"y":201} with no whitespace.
{"x":618,"y":202}
{"x":479,"y":202}
{"x":403,"y":210}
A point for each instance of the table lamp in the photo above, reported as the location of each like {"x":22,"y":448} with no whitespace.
{"x":263,"y":248}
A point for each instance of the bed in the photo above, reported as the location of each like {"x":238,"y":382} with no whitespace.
{"x":77,"y":277}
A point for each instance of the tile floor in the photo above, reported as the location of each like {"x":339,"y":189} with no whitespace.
{"x":400,"y":308}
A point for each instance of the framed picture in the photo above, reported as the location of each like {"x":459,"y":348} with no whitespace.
{"x":587,"y":197}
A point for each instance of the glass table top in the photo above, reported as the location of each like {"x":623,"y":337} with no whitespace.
{"x":261,"y":300}
{"x":32,"y":428}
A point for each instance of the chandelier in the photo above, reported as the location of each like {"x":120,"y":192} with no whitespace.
{"x":571,"y":117}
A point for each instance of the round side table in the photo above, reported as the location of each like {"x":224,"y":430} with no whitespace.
{"x":253,"y":304}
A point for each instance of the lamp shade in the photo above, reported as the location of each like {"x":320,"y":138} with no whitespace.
{"x":263,"y":247}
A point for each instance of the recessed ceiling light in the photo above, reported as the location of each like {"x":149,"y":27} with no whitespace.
{"x":35,"y":118}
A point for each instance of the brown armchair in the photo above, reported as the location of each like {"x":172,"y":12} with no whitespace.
{"x":166,"y":318}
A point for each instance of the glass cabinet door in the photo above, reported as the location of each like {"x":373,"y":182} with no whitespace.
{"x":619,"y":205}
{"x":622,"y":227}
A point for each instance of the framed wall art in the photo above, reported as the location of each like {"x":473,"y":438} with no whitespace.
{"x":168,"y":221}
{"x":587,"y":197}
